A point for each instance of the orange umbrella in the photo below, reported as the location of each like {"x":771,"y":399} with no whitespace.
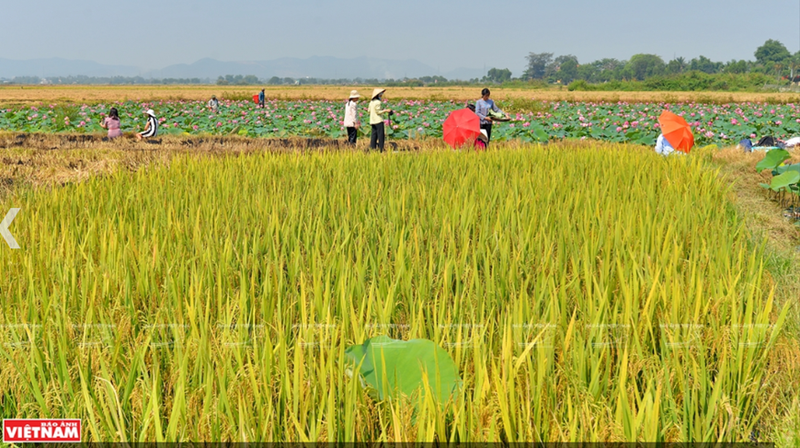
{"x":461,"y":127}
{"x":677,"y":131}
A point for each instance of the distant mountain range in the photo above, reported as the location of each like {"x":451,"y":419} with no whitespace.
{"x":10,"y":68}
{"x":315,"y":67}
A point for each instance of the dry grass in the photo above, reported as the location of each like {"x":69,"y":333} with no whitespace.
{"x":57,"y":159}
{"x":739,"y":169}
{"x":14,"y":95}
{"x":765,"y":220}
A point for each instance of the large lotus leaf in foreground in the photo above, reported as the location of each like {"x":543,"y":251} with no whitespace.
{"x":772,"y":159}
{"x":784,"y":180}
{"x":391,"y":367}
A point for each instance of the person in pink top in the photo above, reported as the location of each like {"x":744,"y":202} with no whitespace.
{"x":111,"y":122}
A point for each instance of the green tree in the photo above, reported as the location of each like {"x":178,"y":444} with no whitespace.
{"x":772,"y":53}
{"x":705,"y":65}
{"x":675,"y":66}
{"x":551,"y":72}
{"x":433,"y":79}
{"x":568,"y":71}
{"x":588,"y":72}
{"x":608,"y":69}
{"x":643,"y":66}
{"x":794,"y":66}
{"x":537,"y":63}
{"x":498,"y":75}
{"x":735,"y":66}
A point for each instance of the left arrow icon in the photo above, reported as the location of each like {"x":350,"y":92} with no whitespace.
{"x":12,"y":243}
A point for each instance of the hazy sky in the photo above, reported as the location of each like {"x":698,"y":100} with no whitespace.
{"x":445,"y":34}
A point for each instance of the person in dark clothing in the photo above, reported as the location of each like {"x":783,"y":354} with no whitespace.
{"x":376,"y":113}
{"x":482,"y":108}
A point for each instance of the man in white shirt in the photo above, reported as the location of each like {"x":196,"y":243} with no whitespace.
{"x":663,"y":147}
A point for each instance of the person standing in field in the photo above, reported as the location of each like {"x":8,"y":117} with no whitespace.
{"x":111,"y":122}
{"x":261,"y":98}
{"x":663,"y":147}
{"x":151,"y":128}
{"x":482,"y":108}
{"x":376,"y":113}
{"x":481,"y":139}
{"x":351,"y":119}
{"x":213,"y":103}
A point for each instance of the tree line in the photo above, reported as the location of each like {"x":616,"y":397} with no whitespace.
{"x":772,"y":59}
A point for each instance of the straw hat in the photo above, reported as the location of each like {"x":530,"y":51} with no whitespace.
{"x":483,"y":136}
{"x":354,"y":94}
{"x":377,"y":92}
{"x":151,"y":113}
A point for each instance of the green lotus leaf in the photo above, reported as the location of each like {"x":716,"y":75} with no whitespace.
{"x":393,"y":367}
{"x":784,"y":180}
{"x":772,"y":159}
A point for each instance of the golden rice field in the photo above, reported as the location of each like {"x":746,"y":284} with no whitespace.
{"x":18,"y":95}
{"x":585,"y":292}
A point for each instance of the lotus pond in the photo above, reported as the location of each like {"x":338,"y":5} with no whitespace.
{"x":614,"y":122}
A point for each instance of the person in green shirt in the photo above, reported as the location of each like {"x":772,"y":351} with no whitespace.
{"x":376,"y":113}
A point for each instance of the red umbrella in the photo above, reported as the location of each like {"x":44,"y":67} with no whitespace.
{"x":461,"y":126}
{"x":677,"y":131}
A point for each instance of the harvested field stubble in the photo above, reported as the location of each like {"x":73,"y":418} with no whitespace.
{"x":586,"y":292}
{"x":57,"y":159}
